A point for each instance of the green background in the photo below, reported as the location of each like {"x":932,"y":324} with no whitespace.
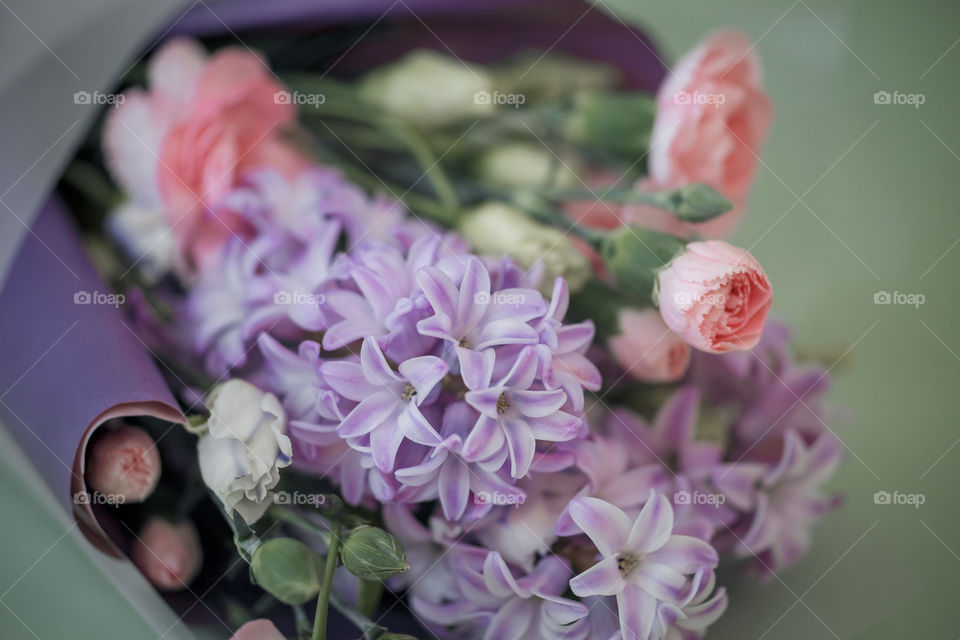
{"x":853,"y":198}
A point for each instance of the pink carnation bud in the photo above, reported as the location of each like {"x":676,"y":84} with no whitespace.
{"x":715,"y":296}
{"x":168,"y":554}
{"x":123,"y":463}
{"x":647,"y":349}
{"x":261,"y":629}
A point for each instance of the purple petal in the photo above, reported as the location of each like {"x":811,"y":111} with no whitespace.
{"x":637,"y":612}
{"x":660,"y":581}
{"x":559,"y":427}
{"x":562,"y":611}
{"x":454,"y":488}
{"x":506,"y":331}
{"x":368,"y":415}
{"x":439,"y":289}
{"x":476,"y":367}
{"x":424,"y":373}
{"x":512,"y":620}
{"x":498,"y":578}
{"x":653,"y":526}
{"x":685,"y":554}
{"x":485,"y":440}
{"x":375,"y":366}
{"x":485,"y":401}
{"x":603,"y":523}
{"x":474,"y":293}
{"x":602,"y":579}
{"x":521,"y":444}
{"x":413,"y":425}
{"x":384,"y":443}
{"x":537,"y":404}
{"x":346,"y":378}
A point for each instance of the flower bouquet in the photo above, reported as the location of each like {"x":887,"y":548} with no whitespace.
{"x":454,"y":337}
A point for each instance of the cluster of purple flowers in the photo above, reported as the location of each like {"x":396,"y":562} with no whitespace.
{"x":414,"y":373}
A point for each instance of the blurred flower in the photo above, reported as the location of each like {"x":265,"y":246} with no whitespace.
{"x":143,"y":232}
{"x":429,"y":89}
{"x":712,"y":117}
{"x":783,"y":501}
{"x":490,"y":602}
{"x":647,"y":349}
{"x":168,"y":554}
{"x":496,"y":229}
{"x":715,"y":296}
{"x":515,"y":165}
{"x":183,"y":143}
{"x":123,"y":463}
{"x":642,"y":563}
{"x":261,"y":629}
{"x":244,"y":448}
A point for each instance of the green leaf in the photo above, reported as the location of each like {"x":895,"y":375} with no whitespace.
{"x":373,"y":554}
{"x":287,"y":569}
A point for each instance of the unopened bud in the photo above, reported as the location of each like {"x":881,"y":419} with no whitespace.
{"x":373,"y":554}
{"x":123,"y":463}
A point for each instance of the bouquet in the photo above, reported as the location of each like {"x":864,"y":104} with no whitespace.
{"x":455,"y":339}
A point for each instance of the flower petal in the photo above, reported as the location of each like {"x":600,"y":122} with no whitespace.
{"x":602,"y":579}
{"x":653,"y":526}
{"x":603,"y":523}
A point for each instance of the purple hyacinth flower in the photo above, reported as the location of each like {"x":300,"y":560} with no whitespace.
{"x":564,"y":365}
{"x":493,"y":600}
{"x":472,"y":318}
{"x":389,"y":403}
{"x":642,"y":562}
{"x":690,"y":620}
{"x":513,"y":416}
{"x":783,"y":502}
{"x":444,"y":474}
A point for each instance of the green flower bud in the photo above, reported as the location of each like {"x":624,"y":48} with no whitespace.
{"x":614,"y":122}
{"x":287,"y":569}
{"x":697,"y":202}
{"x":633,"y":256}
{"x":522,"y":164}
{"x":373,"y":554}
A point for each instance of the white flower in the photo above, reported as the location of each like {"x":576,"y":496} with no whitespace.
{"x":143,"y":232}
{"x":244,"y":448}
{"x":496,"y":229}
{"x":429,"y":89}
{"x":522,"y":164}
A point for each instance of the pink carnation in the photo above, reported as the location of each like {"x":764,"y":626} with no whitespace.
{"x":647,"y":349}
{"x":123,"y":463}
{"x":168,"y":554}
{"x":715,"y":296}
{"x":182,"y":145}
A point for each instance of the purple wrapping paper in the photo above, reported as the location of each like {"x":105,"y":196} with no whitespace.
{"x":67,"y":367}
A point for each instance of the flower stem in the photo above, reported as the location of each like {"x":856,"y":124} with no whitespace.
{"x":323,"y":600}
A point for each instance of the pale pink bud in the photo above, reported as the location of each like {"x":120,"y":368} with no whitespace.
{"x":715,"y":296}
{"x":168,"y":554}
{"x":647,"y":349}
{"x":261,"y":629}
{"x":123,"y":463}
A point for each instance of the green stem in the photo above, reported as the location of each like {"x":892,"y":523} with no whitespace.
{"x":323,"y":600}
{"x":368,"y":596}
{"x":370,"y":629}
{"x":430,"y":165}
{"x":285,"y":514}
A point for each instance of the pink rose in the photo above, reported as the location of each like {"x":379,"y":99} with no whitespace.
{"x":647,"y":349}
{"x":168,"y":554}
{"x":123,"y":463}
{"x":712,"y":117}
{"x":183,"y":144}
{"x":715,"y":296}
{"x":261,"y":629}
